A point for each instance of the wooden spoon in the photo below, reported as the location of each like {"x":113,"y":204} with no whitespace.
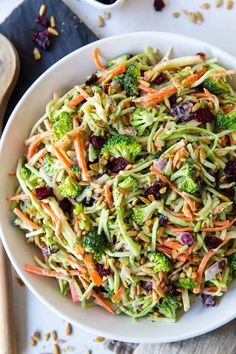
{"x":9,"y":72}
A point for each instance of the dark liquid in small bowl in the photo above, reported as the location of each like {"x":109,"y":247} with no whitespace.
{"x":107,"y":2}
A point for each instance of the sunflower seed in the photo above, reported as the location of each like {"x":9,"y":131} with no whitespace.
{"x":219,"y":3}
{"x":52,"y":21}
{"x":230,"y":4}
{"x":176,"y":14}
{"x":37,"y":54}
{"x":53,"y":31}
{"x":101,"y":21}
{"x":42,"y":10}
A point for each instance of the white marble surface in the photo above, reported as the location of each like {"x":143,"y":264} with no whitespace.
{"x":136,"y":15}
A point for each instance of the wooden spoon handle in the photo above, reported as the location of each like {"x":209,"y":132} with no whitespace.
{"x":7,"y":337}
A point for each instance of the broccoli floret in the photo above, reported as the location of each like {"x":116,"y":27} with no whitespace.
{"x":217,"y":87}
{"x":226,"y":121}
{"x":130,"y":81}
{"x":30,"y":178}
{"x":162,"y":262}
{"x":168,"y":306}
{"x":52,"y":166}
{"x":187,"y":283}
{"x":142,"y":213}
{"x":130,"y":183}
{"x":76,"y":170}
{"x":118,"y":79}
{"x":95,"y":243}
{"x":122,"y":146}
{"x":187,"y":184}
{"x":232,"y":264}
{"x":78,"y":208}
{"x":62,"y":125}
{"x":142,"y":119}
{"x":69,"y":188}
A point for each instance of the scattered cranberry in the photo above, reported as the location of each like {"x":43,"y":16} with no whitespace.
{"x":117,"y":165}
{"x":186,"y":239}
{"x":43,"y":21}
{"x":159,"y":79}
{"x":212,"y":242}
{"x":230,"y":168}
{"x":183,"y":111}
{"x":202,"y":55}
{"x":172,"y":100}
{"x":41,"y":38}
{"x":91,"y":80}
{"x":162,"y":219}
{"x":102,"y":271}
{"x":106,"y":88}
{"x":159,"y":5}
{"x":203,"y":115}
{"x":208,"y":300}
{"x":97,"y":141}
{"x":65,"y":205}
{"x":43,"y":192}
{"x":228,"y":192}
{"x":155,"y":190}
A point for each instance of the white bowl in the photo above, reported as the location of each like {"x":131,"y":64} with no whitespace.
{"x":69,"y":71}
{"x":102,"y":6}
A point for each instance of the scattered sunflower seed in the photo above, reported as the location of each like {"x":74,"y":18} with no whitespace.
{"x":57,"y":349}
{"x":37,"y":336}
{"x":37,"y":54}
{"x":20,"y":281}
{"x":107,"y":15}
{"x":200,"y":16}
{"x":99,"y":339}
{"x":206,"y":5}
{"x":33,"y":342}
{"x":230,"y":4}
{"x":42,"y":10}
{"x":101,"y":22}
{"x":52,"y":21}
{"x":53,"y":31}
{"x":68,"y":329}
{"x":47,"y":336}
{"x":54,"y":335}
{"x":176,"y":14}
{"x":219,"y":3}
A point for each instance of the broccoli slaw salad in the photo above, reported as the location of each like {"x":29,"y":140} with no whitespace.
{"x":128,"y":186}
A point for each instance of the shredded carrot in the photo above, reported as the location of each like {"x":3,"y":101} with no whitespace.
{"x":75,"y":122}
{"x":92,"y":271}
{"x":76,"y":101}
{"x":81,"y":158}
{"x":108,"y":195}
{"x":180,"y":229}
{"x":12,"y":173}
{"x":25,"y":219}
{"x":223,"y":141}
{"x":201,"y":268}
{"x":175,"y":246}
{"x":33,"y":147}
{"x":111,"y":73}
{"x":61,"y":155}
{"x":100,"y":300}
{"x":74,"y":293}
{"x":209,"y":95}
{"x":194,"y":77}
{"x":18,"y":197}
{"x":48,"y":210}
{"x":147,"y":89}
{"x":41,"y":271}
{"x":210,"y":289}
{"x":118,"y":294}
{"x":222,"y":73}
{"x":76,"y":264}
{"x":175,"y":189}
{"x":82,"y":92}
{"x":97,"y":60}
{"x":182,"y":257}
{"x":154,"y":98}
{"x":180,"y":215}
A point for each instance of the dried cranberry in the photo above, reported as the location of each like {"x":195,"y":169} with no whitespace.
{"x":183,"y":111}
{"x":228,"y":192}
{"x":172,"y":100}
{"x":43,"y":192}
{"x":155,"y":190}
{"x":65,"y":205}
{"x":162,"y":219}
{"x":159,"y":5}
{"x":95,"y":177}
{"x":199,"y":182}
{"x":212,"y":242}
{"x":41,"y":38}
{"x":203,"y":115}
{"x":42,"y":21}
{"x":208,"y":300}
{"x":106,"y":88}
{"x":102,"y":271}
{"x":147,"y":285}
{"x":202,"y":55}
{"x":171,"y":289}
{"x":87,"y":202}
{"x":186,"y":239}
{"x":97,"y":141}
{"x":117,"y":165}
{"x":160,"y":79}
{"x":91,"y":80}
{"x":230,"y":168}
